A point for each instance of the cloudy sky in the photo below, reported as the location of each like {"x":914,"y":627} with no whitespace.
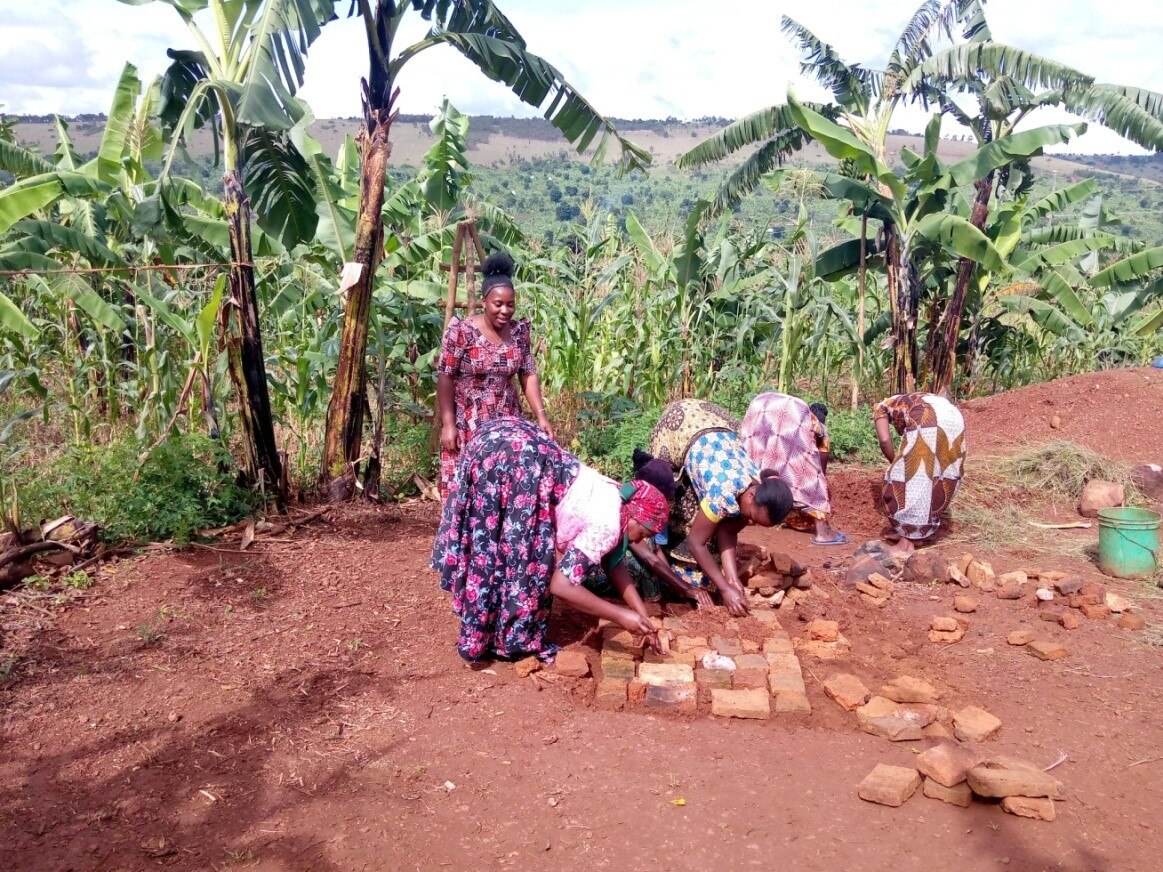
{"x":631,"y":58}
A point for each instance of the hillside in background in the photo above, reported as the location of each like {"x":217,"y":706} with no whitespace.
{"x":524,"y":166}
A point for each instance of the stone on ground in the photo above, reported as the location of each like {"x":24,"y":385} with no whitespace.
{"x":1096,"y":611}
{"x":966,"y":605}
{"x":847,"y":691}
{"x":947,"y":763}
{"x":959,"y":794}
{"x":526,"y":667}
{"x":862,"y":567}
{"x":1118,"y":604}
{"x":1131,"y":622}
{"x":1148,"y":478}
{"x":973,"y":724}
{"x":1021,"y":637}
{"x":925,"y":566}
{"x":889,"y":785}
{"x":944,"y":625}
{"x":1098,"y":495}
{"x":981,"y":575}
{"x":823,"y":631}
{"x":1068,"y":585}
{"x":1028,"y":807}
{"x":1070,"y":620}
{"x":572,"y":664}
{"x":1047,"y":649}
{"x":906,"y":688}
{"x":754,"y":704}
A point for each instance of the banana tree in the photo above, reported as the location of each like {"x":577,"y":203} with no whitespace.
{"x":239,"y":83}
{"x":484,"y":35}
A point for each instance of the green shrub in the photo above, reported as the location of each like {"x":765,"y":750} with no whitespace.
{"x":187,"y":483}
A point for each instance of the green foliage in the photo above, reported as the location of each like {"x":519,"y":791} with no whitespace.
{"x":185,"y":485}
{"x":78,"y":580}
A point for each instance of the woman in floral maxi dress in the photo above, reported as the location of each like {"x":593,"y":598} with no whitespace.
{"x":479,"y":358}
{"x":525,"y":522}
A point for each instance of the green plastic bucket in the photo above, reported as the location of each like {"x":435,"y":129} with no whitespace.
{"x":1128,"y":542}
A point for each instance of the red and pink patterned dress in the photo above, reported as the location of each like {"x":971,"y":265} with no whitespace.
{"x":482,"y":372}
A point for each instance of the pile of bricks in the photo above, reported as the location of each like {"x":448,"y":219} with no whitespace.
{"x":772,"y":579}
{"x":728,"y":675}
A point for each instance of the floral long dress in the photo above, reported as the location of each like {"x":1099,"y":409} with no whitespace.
{"x":781,"y":433}
{"x":482,"y":372}
{"x":514,"y":504}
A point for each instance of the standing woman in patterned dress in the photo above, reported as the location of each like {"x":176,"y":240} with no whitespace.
{"x":478,"y":359}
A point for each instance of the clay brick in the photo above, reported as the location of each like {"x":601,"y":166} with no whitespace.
{"x":947,"y":764}
{"x":768,"y":617}
{"x":1028,"y":807}
{"x":617,"y":667}
{"x":1131,"y":622}
{"x":881,"y":582}
{"x":847,"y":691}
{"x":749,"y":679}
{"x":1047,"y":649}
{"x":1067,"y":586}
{"x":964,"y":604}
{"x":665,"y":673}
{"x":675,"y":625}
{"x":1098,"y":611}
{"x":686,"y":658}
{"x":572,"y":664}
{"x":750,"y":647}
{"x":1021,"y":637}
{"x":936,"y":731}
{"x":1094,"y":589}
{"x":778,"y":643}
{"x":712,"y":678}
{"x":726,"y":647}
{"x":689,"y":643}
{"x":959,"y":794}
{"x":973,"y":724}
{"x":611,"y":691}
{"x":823,"y":631}
{"x":785,"y":681}
{"x":1008,"y":579}
{"x":673,"y":697}
{"x":875,"y":602}
{"x":906,"y":688}
{"x":791,"y":702}
{"x":1118,"y":604}
{"x":1070,"y":620}
{"x":893,"y":727}
{"x":889,"y":785}
{"x":877,"y":706}
{"x":751,"y":661}
{"x":618,"y":641}
{"x":755,"y":704}
{"x":871,"y":590}
{"x":1003,"y":776}
{"x":636,"y":690}
{"x":963,"y":562}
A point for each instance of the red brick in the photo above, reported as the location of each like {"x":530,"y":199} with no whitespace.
{"x":847,"y":691}
{"x":906,"y":688}
{"x":615,"y":666}
{"x":754,"y":704}
{"x":1028,"y":807}
{"x":1070,"y":620}
{"x":999,"y":777}
{"x":1021,"y":637}
{"x":673,"y":697}
{"x":889,"y":785}
{"x":1047,"y":649}
{"x":1099,"y":611}
{"x":572,"y":664}
{"x":959,"y":794}
{"x":948,"y":763}
{"x":823,"y":631}
{"x":792,"y":702}
{"x":973,"y":724}
{"x":1131,"y":622}
{"x":720,"y":678}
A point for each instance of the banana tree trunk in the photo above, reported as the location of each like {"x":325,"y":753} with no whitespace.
{"x":904,"y":313}
{"x":240,"y":328}
{"x":941,"y":357}
{"x":344,"y":432}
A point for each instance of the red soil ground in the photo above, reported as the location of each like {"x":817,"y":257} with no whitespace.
{"x":301,"y":706}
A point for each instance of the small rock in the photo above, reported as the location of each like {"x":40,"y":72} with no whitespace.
{"x":636,"y":690}
{"x":945,"y":625}
{"x":526,"y":667}
{"x":1021,"y":637}
{"x":906,"y":688}
{"x":889,"y":785}
{"x":847,"y":691}
{"x":1025,"y":806}
{"x":1067,"y":586}
{"x":936,"y":730}
{"x":958,"y":577}
{"x":572,"y":664}
{"x":1051,"y":615}
{"x":1099,"y":612}
{"x":874,"y":601}
{"x":871,"y":590}
{"x":1148,"y":478}
{"x":862,"y":568}
{"x":1131,"y":622}
{"x":973,"y":724}
{"x":947,"y":764}
{"x":173,"y":717}
{"x":966,"y":605}
{"x":1093,"y":591}
{"x":1017,"y":577}
{"x":1098,"y":495}
{"x":947,"y":637}
{"x":754,"y":704}
{"x":1044,"y":595}
{"x":712,"y":660}
{"x":823,"y":631}
{"x":959,"y":794}
{"x":1070,"y":620}
{"x":1055,"y":422}
{"x":1118,"y":604}
{"x":1047,"y":649}
{"x":1010,"y":592}
{"x":981,"y":575}
{"x":925,"y":566}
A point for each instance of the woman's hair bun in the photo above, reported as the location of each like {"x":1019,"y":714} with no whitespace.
{"x":640,"y":458}
{"x":498,"y":264}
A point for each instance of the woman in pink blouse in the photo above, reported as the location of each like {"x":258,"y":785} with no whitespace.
{"x":478,"y":359}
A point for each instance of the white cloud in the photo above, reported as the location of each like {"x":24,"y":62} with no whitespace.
{"x":631,"y":58}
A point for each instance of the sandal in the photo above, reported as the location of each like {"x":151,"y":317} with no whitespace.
{"x":838,"y":539}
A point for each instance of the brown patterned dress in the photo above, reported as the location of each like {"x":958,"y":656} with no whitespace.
{"x":921,"y":481}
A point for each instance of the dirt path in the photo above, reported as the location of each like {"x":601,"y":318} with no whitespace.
{"x":301,"y":706}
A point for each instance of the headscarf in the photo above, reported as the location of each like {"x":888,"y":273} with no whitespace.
{"x":644,"y":503}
